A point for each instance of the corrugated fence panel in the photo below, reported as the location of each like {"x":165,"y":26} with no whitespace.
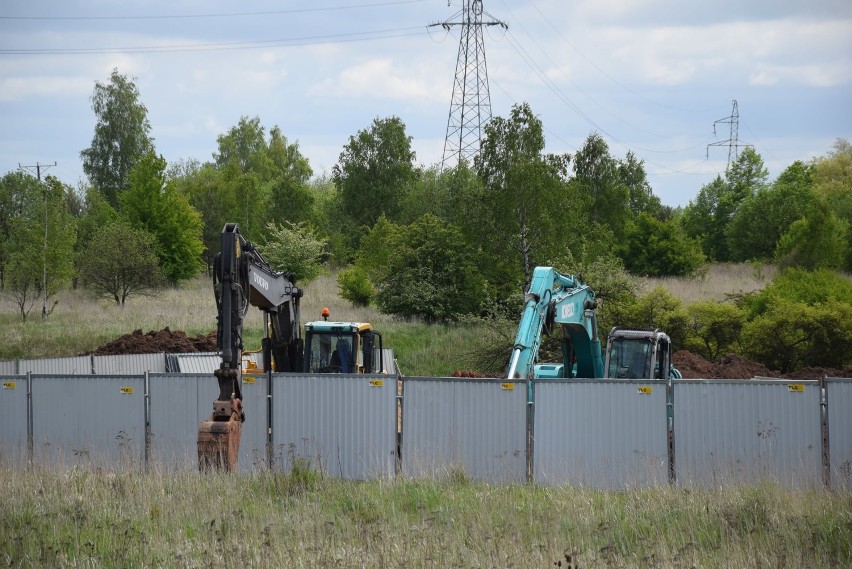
{"x":9,"y":367}
{"x":176,"y":411}
{"x":78,"y":365}
{"x":13,"y":420}
{"x":600,"y":433}
{"x":179,"y":402}
{"x":729,"y":432}
{"x":341,"y":424}
{"x":203,"y":362}
{"x":840,"y":432}
{"x":478,"y":426}
{"x":88,"y":420}
{"x":129,"y":364}
{"x":253,"y":441}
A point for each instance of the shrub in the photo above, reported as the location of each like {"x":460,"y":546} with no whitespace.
{"x":790,"y":335}
{"x":713,"y":328}
{"x":355,"y":286}
{"x":659,"y":309}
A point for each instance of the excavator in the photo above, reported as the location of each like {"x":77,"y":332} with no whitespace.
{"x":242,"y":277}
{"x":554,"y":298}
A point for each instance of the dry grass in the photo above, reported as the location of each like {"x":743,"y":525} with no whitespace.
{"x":79,"y":518}
{"x":717,"y":282}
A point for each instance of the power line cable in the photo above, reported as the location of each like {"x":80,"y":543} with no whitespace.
{"x":222,"y":15}
{"x":225,"y":46}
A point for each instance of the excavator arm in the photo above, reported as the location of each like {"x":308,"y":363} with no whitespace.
{"x":555,"y":298}
{"x":241,"y":277}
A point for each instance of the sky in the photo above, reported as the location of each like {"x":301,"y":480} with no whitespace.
{"x":655,"y":77}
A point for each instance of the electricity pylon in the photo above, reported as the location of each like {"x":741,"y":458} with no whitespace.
{"x":733,"y":142}
{"x":470,"y":106}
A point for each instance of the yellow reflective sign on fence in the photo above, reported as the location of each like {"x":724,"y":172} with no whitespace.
{"x":8,"y":385}
{"x":376,"y":383}
{"x":796,"y":387}
{"x":126,"y":389}
{"x":507,"y":386}
{"x":645,"y":389}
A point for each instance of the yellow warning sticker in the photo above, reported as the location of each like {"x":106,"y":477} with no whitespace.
{"x":126,"y":389}
{"x":8,"y":385}
{"x":797,"y":387}
{"x":507,"y":386}
{"x":248,"y":379}
{"x":645,"y":389}
{"x":376,"y":382}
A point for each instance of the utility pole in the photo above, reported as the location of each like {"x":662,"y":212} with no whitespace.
{"x":38,"y":167}
{"x":470,"y":106}
{"x":732,"y":143}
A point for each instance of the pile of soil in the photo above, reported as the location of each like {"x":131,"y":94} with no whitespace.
{"x":165,"y":340}
{"x":732,"y":366}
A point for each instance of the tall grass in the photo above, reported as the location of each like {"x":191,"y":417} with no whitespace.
{"x":716,"y":282}
{"x":128,"y":519}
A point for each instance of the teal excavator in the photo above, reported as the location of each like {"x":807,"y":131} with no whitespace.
{"x":555,"y":300}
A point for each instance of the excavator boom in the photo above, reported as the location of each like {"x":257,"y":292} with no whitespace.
{"x":241,"y":277}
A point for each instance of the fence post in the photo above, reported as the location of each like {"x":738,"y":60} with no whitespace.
{"x":530,"y":428}
{"x":670,"y":431}
{"x":823,"y":416}
{"x":147,"y":420}
{"x":29,"y":420}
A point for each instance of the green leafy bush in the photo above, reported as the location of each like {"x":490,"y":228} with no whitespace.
{"x":355,"y":286}
{"x":799,"y":285}
{"x":790,"y":335}
{"x":714,"y":328}
{"x":658,"y":309}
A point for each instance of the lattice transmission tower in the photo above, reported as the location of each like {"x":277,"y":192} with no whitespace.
{"x":733,"y":142}
{"x":470,"y":106}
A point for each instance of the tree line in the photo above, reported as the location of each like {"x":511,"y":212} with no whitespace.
{"x":412,"y":239}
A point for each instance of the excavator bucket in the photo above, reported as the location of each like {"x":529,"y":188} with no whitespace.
{"x":219,"y":438}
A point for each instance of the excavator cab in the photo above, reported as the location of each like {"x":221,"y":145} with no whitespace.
{"x":639,"y":354}
{"x":342,"y":347}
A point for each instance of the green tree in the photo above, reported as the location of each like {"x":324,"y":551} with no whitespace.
{"x":818,"y":240}
{"x":373,"y":173}
{"x":294,"y":248}
{"x":214,"y":197}
{"x":122,"y":136}
{"x":290,"y":197}
{"x":777,"y":206}
{"x":631,"y":172}
{"x":659,"y":309}
{"x":832,"y":178}
{"x":430,"y":274}
{"x":599,"y":177}
{"x":40,"y":248}
{"x":119,"y":262}
{"x":18,"y":192}
{"x":708,"y":216}
{"x":655,"y":248}
{"x":524,"y":198}
{"x":152,"y":204}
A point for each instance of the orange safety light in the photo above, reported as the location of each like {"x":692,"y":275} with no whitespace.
{"x":325,"y":313}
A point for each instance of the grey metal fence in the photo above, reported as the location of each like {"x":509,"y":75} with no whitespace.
{"x":839,"y":431}
{"x":606,"y":434}
{"x":738,"y":432}
{"x":476,"y":426}
{"x":88,"y":420}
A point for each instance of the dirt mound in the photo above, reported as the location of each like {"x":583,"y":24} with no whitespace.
{"x":732,"y":366}
{"x":473,"y":374}
{"x":165,"y":340}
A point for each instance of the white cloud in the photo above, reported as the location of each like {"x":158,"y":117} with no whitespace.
{"x":25,"y":87}
{"x":378,"y":78}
